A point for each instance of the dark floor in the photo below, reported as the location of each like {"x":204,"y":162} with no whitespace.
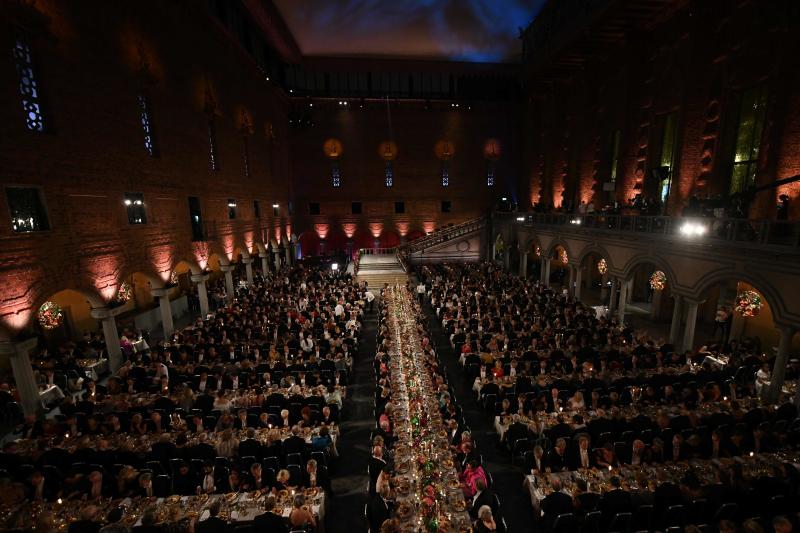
{"x":508,"y":479}
{"x":345,"y":512}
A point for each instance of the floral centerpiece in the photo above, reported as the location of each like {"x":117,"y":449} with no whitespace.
{"x":173,"y":277}
{"x":50,"y":315}
{"x":748,"y":303}
{"x":562,"y":256}
{"x":658,"y":281}
{"x":602,"y":266}
{"x":125,"y":292}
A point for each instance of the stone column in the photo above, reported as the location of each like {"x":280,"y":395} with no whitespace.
{"x":578,"y":282}
{"x":523,"y":265}
{"x":166,"y":311}
{"x":19,"y":354}
{"x":277,"y":259}
{"x":248,"y":268}
{"x":571,"y":286}
{"x":507,"y":259}
{"x":629,"y":291}
{"x":202,"y":292}
{"x":623,"y":299}
{"x":542,"y":269}
{"x":228,"y":271}
{"x":779,"y":370}
{"x":655,"y":305}
{"x":612,"y":301}
{"x":264,"y":263}
{"x":106,"y":317}
{"x":675,"y":327}
{"x":604,"y":287}
{"x":546,"y":271}
{"x":289,"y":253}
{"x":691,"y":322}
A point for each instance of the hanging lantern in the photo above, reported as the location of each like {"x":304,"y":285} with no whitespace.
{"x":658,"y":280}
{"x":748,"y":303}
{"x":173,"y":277}
{"x":125,"y":292}
{"x":50,"y":315}
{"x":602,"y":267}
{"x":562,"y":256}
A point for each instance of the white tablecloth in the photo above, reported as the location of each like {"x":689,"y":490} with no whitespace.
{"x":51,"y":394}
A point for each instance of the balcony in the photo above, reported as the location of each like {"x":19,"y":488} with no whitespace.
{"x":780,"y":235}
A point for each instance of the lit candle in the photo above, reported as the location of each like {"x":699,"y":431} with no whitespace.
{"x":59,"y":501}
{"x":66,"y":436}
{"x":751,"y":454}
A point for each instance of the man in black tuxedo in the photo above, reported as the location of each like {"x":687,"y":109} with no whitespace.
{"x":379,"y":509}
{"x":557,"y":458}
{"x":213,"y":524}
{"x":313,"y":476}
{"x":375,"y":465}
{"x":555,"y":503}
{"x":295,"y":443}
{"x":203,"y":450}
{"x":483,"y":496}
{"x":250,"y":447}
{"x":585,"y":501}
{"x":163,"y":450}
{"x":615,"y":501}
{"x":328,"y":417}
{"x":184,"y":481}
{"x":270,"y":522}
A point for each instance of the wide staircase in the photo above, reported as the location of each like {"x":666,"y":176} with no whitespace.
{"x":379,"y":266}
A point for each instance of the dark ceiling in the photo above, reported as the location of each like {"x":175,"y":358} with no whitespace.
{"x":458,"y":30}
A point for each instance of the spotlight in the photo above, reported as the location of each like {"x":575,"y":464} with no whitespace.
{"x":520,"y":219}
{"x":575,"y":221}
{"x":275,"y":206}
{"x":127,"y":202}
{"x":334,"y":266}
{"x":693,"y":229}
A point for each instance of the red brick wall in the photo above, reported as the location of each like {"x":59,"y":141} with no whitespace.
{"x":696,"y":61}
{"x":88,"y":57}
{"x":417,"y":171}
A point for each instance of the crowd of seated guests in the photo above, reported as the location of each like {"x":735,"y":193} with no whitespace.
{"x":476,"y":482}
{"x":247,"y":399}
{"x":569,"y":390}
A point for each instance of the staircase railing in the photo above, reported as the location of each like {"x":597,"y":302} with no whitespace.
{"x":443,"y":235}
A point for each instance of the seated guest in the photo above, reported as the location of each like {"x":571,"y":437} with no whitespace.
{"x":87,"y":523}
{"x":583,"y":500}
{"x":483,"y":496}
{"x":281,"y":481}
{"x":254,"y":479}
{"x":615,"y":501}
{"x":213,"y":524}
{"x":184,"y":481}
{"x":557,"y":458}
{"x":469,"y":478}
{"x":582,"y":458}
{"x":556,"y":503}
{"x":250,"y":447}
{"x":270,"y":521}
{"x":227,"y":445}
{"x":299,"y":517}
{"x":485,"y":522}
{"x":605,"y":457}
{"x":379,"y":509}
{"x":42,"y":489}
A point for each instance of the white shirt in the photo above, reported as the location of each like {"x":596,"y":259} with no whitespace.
{"x":369,"y":296}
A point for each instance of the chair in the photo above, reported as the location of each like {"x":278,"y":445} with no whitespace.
{"x":162,"y":486}
{"x":320,"y":457}
{"x":156,"y":467}
{"x":620,"y":523}
{"x":294,"y":459}
{"x":675,"y":516}
{"x":642,"y":518}
{"x":698,"y":511}
{"x":247,"y":461}
{"x":592,"y":522}
{"x":727,"y":511}
{"x":272,"y":462}
{"x":295,"y":475}
{"x":565,"y":523}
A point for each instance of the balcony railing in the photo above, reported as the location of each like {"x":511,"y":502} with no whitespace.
{"x":443,"y":235}
{"x":759,"y":232}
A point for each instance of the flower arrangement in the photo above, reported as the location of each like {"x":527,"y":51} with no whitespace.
{"x":602,"y":266}
{"x":748,"y":303}
{"x":562,"y":256}
{"x":125,"y":292}
{"x":538,"y":251}
{"x":658,"y":280}
{"x":173,"y":277}
{"x":50,"y":315}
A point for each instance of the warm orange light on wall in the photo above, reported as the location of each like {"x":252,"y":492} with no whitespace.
{"x":429,"y":226}
{"x":387,"y":150}
{"x":444,"y":150}
{"x":333,"y":148}
{"x":376,"y":228}
{"x":201,"y":251}
{"x":162,"y":258}
{"x":491,"y":149}
{"x":349,"y":230}
{"x":321,"y":230}
{"x":402,"y":228}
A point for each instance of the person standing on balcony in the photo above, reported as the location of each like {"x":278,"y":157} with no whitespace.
{"x":421,"y":292}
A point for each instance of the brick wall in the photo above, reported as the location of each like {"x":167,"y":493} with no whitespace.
{"x":92,"y":61}
{"x":696,"y":61}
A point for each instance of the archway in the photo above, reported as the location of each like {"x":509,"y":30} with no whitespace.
{"x":309,"y":243}
{"x":559,"y":265}
{"x":533,"y":251}
{"x":594,"y":278}
{"x":498,"y":248}
{"x":648,"y":294}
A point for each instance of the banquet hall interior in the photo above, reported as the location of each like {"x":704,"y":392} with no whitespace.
{"x":273,"y":266}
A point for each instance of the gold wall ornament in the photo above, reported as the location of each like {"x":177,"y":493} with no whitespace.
{"x":333,"y":148}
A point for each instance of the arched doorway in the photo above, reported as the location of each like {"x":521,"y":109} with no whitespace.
{"x":559,"y":266}
{"x":648,"y":294}
{"x":593,"y":278}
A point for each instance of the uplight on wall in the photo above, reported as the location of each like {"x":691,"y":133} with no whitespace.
{"x":334,"y":266}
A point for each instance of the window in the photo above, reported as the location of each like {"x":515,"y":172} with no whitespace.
{"x":134,"y":205}
{"x":212,"y":145}
{"x":28,"y":87}
{"x":231,"y":208}
{"x":399,"y":208}
{"x":196,"y":219}
{"x":276,"y":210}
{"x":446,"y":206}
{"x":490,"y":173}
{"x":748,"y":138}
{"x":246,"y":156}
{"x":615,"y":137}
{"x":355,"y":208}
{"x":313,"y":208}
{"x":445,"y":173}
{"x":665,"y":162}
{"x":389,"y":173}
{"x":27,"y":209}
{"x":147,"y":125}
{"x":336,"y":173}
{"x":256,"y":208}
